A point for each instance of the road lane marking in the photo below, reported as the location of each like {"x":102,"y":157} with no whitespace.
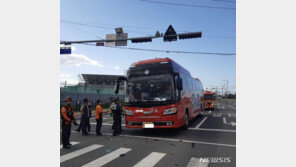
{"x":79,"y":152}
{"x":231,"y":115}
{"x":73,"y":143}
{"x":224,"y":120}
{"x":217,"y":114}
{"x":107,"y":158}
{"x":196,"y":162}
{"x":231,"y":123}
{"x":201,"y":122}
{"x":210,"y":111}
{"x":215,"y":130}
{"x":231,"y":107}
{"x":150,"y":160}
{"x":175,"y":140}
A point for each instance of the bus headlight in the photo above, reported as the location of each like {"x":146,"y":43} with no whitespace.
{"x":170,"y":111}
{"x":128,"y":112}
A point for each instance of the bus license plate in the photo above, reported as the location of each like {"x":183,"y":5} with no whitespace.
{"x":148,"y":125}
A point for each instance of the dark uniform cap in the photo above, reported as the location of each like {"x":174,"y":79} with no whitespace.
{"x":68,"y":99}
{"x":85,"y":99}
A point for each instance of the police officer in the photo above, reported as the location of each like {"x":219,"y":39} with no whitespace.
{"x":85,"y":116}
{"x":116,"y":112}
{"x":89,"y":115}
{"x":67,"y":117}
{"x":99,"y":117}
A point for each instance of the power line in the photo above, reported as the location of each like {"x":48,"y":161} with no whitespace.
{"x":136,"y":27}
{"x":98,"y":26}
{"x":86,"y":31}
{"x":169,"y":51}
{"x":188,"y":5}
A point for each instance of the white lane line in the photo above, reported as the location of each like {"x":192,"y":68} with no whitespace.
{"x":197,"y":162}
{"x":231,"y":106}
{"x":150,"y":160}
{"x":210,"y":111}
{"x":175,"y":140}
{"x":215,"y":130}
{"x":79,"y":152}
{"x":107,"y":158}
{"x":217,"y":114}
{"x":73,"y":143}
{"x":201,"y":122}
{"x":224,"y":120}
{"x":112,"y":124}
{"x":108,"y":122}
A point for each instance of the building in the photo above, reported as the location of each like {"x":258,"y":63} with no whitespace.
{"x":93,"y":86}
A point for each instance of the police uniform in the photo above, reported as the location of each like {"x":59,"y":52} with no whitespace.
{"x":116,"y":111}
{"x":85,"y":118}
{"x":67,"y":117}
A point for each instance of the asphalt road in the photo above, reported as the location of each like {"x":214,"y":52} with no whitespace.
{"x":210,"y":141}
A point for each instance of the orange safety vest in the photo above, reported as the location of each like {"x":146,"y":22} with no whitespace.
{"x":67,"y":115}
{"x":98,"y":111}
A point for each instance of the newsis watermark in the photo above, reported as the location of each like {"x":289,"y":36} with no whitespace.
{"x":215,"y":159}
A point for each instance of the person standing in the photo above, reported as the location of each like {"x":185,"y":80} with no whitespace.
{"x":116,"y":111}
{"x":85,"y":116}
{"x":89,"y":116}
{"x":67,"y":117}
{"x":99,"y":117}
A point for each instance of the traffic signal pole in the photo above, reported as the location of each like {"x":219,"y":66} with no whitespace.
{"x":169,"y":36}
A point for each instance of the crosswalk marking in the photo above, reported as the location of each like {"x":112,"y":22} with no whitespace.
{"x":79,"y":152}
{"x":150,"y":160}
{"x":73,"y":143}
{"x":196,"y":162}
{"x":107,"y":158}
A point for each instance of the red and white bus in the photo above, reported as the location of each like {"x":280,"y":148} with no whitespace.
{"x":159,"y":93}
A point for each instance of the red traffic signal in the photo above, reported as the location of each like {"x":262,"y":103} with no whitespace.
{"x":100,"y":44}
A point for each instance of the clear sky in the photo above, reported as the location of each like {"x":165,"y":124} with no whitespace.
{"x":139,"y":18}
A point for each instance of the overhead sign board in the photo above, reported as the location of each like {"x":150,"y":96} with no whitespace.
{"x":121,"y":39}
{"x":65,"y":50}
{"x":110,"y":37}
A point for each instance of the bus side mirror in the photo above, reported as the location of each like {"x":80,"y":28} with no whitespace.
{"x":116,"y":88}
{"x":179,"y":84}
{"x":117,"y":84}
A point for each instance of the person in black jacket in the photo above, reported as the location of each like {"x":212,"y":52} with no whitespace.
{"x":85,"y":116}
{"x":116,"y":111}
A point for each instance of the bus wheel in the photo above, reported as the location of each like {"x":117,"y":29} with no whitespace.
{"x":186,"y":120}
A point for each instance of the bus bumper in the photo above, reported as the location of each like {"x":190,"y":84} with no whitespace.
{"x":157,"y":123}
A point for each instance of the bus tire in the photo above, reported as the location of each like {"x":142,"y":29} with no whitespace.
{"x":186,"y":117}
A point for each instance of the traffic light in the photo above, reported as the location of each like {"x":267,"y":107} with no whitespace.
{"x":141,"y":39}
{"x":170,"y":35}
{"x":190,"y":35}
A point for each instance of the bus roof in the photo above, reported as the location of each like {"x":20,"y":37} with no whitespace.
{"x":179,"y":67}
{"x":208,"y":92}
{"x":151,"y":61}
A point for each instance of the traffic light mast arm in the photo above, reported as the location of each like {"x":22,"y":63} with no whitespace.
{"x":138,"y":39}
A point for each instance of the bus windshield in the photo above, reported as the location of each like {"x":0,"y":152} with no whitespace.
{"x":208,"y":97}
{"x":150,"y":88}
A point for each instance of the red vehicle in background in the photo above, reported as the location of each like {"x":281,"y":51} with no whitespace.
{"x":208,"y":100}
{"x":159,"y":93}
